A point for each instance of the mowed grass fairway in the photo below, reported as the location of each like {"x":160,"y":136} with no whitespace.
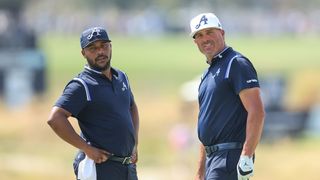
{"x":157,"y":67}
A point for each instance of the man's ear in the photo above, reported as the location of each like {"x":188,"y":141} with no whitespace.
{"x":83,"y":53}
{"x":222,"y":32}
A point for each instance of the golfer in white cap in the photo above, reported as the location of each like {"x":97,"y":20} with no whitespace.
{"x":231,"y":114}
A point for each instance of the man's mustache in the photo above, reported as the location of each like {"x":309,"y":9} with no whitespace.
{"x":102,"y":57}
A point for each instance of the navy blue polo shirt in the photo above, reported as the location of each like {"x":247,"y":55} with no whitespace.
{"x":222,"y":117}
{"x":102,"y":108}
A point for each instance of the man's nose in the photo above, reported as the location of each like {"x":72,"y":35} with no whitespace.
{"x":100,"y":50}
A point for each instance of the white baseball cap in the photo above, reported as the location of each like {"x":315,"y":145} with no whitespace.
{"x":203,"y":21}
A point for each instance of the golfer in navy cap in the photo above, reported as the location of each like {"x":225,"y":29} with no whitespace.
{"x":101,"y":100}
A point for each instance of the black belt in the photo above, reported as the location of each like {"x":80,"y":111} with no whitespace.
{"x":122,"y":160}
{"x":222,"y":146}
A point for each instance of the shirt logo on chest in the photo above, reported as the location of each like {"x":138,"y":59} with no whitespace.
{"x":124,"y":86}
{"x":216,"y":74}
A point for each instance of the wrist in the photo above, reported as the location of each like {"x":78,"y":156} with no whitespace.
{"x":247,"y":152}
{"x":85,"y":147}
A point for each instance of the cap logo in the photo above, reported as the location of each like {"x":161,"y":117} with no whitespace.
{"x":203,"y":19}
{"x":94,"y":30}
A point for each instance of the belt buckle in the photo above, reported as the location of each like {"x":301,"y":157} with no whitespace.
{"x":215,"y":148}
{"x":211,"y":149}
{"x":126,"y":160}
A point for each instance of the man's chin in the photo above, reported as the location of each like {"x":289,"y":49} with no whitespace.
{"x":103,"y":68}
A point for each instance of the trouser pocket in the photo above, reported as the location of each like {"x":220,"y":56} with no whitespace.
{"x":78,"y":158}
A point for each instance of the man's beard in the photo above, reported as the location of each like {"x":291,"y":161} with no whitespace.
{"x":99,"y":68}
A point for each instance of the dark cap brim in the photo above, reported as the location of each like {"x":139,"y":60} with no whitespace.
{"x":86,"y":45}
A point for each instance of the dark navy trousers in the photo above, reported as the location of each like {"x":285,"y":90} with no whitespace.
{"x":109,"y":170}
{"x":222,"y":165}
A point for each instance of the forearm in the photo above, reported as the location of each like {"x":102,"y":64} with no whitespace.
{"x":253,"y":132}
{"x":201,"y":163}
{"x":253,"y":104}
{"x":135,"y":121}
{"x":62,"y":127}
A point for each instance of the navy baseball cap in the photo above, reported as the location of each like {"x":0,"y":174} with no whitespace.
{"x":93,"y":34}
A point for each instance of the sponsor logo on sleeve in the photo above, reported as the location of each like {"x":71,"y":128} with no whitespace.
{"x":251,"y":81}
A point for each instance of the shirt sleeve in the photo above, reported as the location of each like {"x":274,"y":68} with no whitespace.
{"x":73,"y":98}
{"x":131,"y":98}
{"x":243,"y":75}
{"x":129,"y":88}
{"x":131,"y":94}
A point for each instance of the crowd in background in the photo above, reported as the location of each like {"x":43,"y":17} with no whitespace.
{"x":65,"y":17}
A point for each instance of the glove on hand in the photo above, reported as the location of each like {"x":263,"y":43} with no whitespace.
{"x":245,"y":167}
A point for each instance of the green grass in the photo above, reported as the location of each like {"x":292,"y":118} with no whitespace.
{"x":167,"y":62}
{"x":281,"y":54}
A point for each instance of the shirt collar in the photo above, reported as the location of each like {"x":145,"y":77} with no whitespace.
{"x":221,"y":54}
{"x":99,"y":73}
{"x":92,"y":70}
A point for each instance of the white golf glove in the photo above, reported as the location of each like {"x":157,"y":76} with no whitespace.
{"x":245,"y":167}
